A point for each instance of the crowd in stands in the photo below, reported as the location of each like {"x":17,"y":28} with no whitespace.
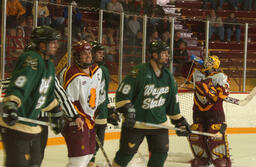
{"x":55,"y":14}
{"x":246,"y":5}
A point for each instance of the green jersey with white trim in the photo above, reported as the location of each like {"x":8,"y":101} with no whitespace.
{"x":153,"y":97}
{"x":32,"y":85}
{"x":103,"y":109}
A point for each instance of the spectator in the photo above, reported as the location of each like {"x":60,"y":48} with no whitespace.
{"x":43,"y":13}
{"x":134,"y":26}
{"x":182,"y":52}
{"x":29,"y":26}
{"x":213,"y":4}
{"x":216,"y":25}
{"x":180,"y":56}
{"x":128,"y":6}
{"x":57,"y":14}
{"x":233,"y":27}
{"x":76,"y":19}
{"x":166,"y":37}
{"x":87,"y":33}
{"x":154,"y":36}
{"x":104,"y":3}
{"x":164,"y":25}
{"x":19,"y":42}
{"x":111,"y":18}
{"x":14,"y":10}
{"x":111,"y":45}
{"x":115,"y":5}
{"x":247,"y":5}
{"x":177,"y":39}
{"x":140,"y":8}
{"x":232,"y":3}
{"x":156,"y":10}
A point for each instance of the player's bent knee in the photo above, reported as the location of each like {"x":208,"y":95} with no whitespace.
{"x":122,"y":159}
{"x":157,"y":159}
{"x":222,"y":162}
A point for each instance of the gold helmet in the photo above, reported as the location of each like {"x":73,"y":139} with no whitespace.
{"x":212,"y":62}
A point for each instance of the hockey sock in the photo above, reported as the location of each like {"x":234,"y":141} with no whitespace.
{"x":157,"y":159}
{"x":123,"y":159}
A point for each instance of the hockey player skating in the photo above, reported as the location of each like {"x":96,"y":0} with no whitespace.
{"x":211,"y":87}
{"x":106,"y":113}
{"x":82,"y":83}
{"x":148,"y":94}
{"x":30,"y":92}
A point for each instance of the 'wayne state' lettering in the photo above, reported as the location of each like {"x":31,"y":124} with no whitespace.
{"x":151,"y":90}
{"x":155,"y":101}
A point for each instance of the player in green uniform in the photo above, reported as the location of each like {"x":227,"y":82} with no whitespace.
{"x":30,"y":92}
{"x":106,"y":113}
{"x":148,"y":94}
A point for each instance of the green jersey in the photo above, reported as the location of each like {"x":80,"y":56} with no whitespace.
{"x":32,"y":85}
{"x":153,"y":97}
{"x":103,"y":109}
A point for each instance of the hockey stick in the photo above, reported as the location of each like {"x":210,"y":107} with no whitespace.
{"x":23,"y":119}
{"x":103,"y":151}
{"x":244,"y":101}
{"x":173,"y":128}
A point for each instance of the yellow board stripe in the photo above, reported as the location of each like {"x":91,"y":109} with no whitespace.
{"x":116,"y":135}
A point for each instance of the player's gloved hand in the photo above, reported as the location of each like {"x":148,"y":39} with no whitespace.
{"x":10,"y":113}
{"x":57,"y":118}
{"x":113,"y":116}
{"x":182,"y":124}
{"x":129,"y":114}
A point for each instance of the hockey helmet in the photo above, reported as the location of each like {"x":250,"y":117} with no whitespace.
{"x":212,"y":62}
{"x":77,"y":48}
{"x":158,"y":46}
{"x":96,"y":46}
{"x":44,"y":34}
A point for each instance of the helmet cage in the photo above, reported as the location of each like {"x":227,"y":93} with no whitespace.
{"x":212,"y":62}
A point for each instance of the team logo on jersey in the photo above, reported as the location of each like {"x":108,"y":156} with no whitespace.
{"x":33,"y":63}
{"x":156,"y":99}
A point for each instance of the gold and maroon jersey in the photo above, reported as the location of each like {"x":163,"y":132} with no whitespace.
{"x":84,"y":90}
{"x":210,"y":90}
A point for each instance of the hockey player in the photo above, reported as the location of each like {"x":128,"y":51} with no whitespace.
{"x":106,"y":113}
{"x":148,"y":94}
{"x":30,"y":92}
{"x":82,"y":83}
{"x":211,"y":87}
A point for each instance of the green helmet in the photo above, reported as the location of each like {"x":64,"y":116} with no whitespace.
{"x":44,"y":34}
{"x":158,"y":46}
{"x":96,"y":46}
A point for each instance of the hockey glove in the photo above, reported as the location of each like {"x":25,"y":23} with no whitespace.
{"x":129,"y":114}
{"x":10,"y":113}
{"x":182,"y":124}
{"x":57,"y":118}
{"x":113,"y":116}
